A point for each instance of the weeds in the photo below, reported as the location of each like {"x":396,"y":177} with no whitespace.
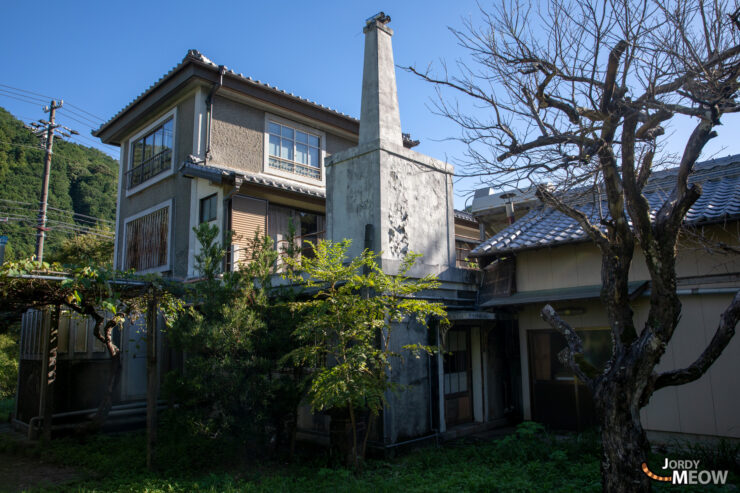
{"x":530,"y":460}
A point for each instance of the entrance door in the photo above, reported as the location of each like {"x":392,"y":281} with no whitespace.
{"x":457,"y":378}
{"x":558,"y":398}
{"x":133,"y":375}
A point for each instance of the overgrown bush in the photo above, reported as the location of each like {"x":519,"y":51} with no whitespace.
{"x":235,"y":336}
{"x":8,"y":365}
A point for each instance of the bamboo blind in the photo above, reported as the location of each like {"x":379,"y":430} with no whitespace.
{"x":146,"y":240}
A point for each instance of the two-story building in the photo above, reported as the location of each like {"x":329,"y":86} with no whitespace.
{"x":206,"y":144}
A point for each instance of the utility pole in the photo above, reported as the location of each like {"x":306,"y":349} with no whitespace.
{"x":47,"y":128}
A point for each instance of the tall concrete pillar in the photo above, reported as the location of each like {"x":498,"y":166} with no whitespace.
{"x":379,"y":115}
{"x":406,"y":196}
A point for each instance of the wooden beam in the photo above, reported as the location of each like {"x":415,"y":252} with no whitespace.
{"x":152,"y":385}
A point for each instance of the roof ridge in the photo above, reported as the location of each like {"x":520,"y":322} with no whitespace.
{"x":196,"y":56}
{"x":545,"y":226}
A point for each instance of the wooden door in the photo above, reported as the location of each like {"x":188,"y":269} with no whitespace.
{"x":457,"y":378}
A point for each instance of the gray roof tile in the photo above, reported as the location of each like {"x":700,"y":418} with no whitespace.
{"x":544,"y":226}
{"x":195,"y":55}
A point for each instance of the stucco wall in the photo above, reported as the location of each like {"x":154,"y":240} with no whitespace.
{"x":172,"y":187}
{"x":708,"y":406}
{"x":403,"y":196}
{"x":238,"y":136}
{"x":351,"y":203}
{"x":408,"y":413}
{"x":237,"y":139}
{"x":580,"y":264}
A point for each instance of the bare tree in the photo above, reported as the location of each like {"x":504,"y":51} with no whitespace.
{"x":577,"y":94}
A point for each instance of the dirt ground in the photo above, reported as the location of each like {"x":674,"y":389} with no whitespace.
{"x":21,"y":474}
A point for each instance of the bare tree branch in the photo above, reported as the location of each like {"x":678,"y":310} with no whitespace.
{"x":725,"y":330}
{"x":573,"y":355}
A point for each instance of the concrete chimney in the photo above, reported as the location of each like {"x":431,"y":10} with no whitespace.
{"x":379,"y":115}
{"x":380,"y":194}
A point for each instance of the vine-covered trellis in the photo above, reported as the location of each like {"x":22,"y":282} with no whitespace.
{"x":109,"y":298}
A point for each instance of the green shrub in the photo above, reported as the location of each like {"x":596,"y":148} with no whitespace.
{"x":8,"y":365}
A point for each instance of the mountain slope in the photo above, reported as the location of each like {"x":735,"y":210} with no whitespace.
{"x":83,"y":183}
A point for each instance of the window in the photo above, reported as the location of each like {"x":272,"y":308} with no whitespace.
{"x":558,"y":398}
{"x":146,"y":240}
{"x":151,"y":154}
{"x":208,"y":210}
{"x":307,"y":227}
{"x":293,"y":150}
{"x":456,"y":364}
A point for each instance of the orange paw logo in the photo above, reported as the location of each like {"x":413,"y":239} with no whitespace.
{"x":654,"y":476}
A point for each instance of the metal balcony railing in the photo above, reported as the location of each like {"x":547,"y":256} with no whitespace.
{"x":149,"y":169}
{"x":293,"y":167}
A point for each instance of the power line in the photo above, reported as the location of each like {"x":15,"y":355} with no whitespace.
{"x":29,"y":92}
{"x":86,"y":112}
{"x":20,"y":94}
{"x":36,"y":148}
{"x":56,"y":224}
{"x":66,"y":115}
{"x":19,"y":99}
{"x":44,"y":98}
{"x":85,"y":118}
{"x":56,"y":156}
{"x":19,"y":204}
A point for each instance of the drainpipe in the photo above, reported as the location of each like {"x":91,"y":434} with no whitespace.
{"x":3,"y":241}
{"x":209,"y":102}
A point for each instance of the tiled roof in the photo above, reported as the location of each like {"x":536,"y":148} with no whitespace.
{"x":465,"y":216}
{"x":272,"y":182}
{"x":544,"y":226}
{"x":217,"y":174}
{"x":195,"y":55}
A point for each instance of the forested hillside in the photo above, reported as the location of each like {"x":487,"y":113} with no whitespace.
{"x":82,"y":186}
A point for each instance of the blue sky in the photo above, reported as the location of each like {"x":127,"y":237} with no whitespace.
{"x":99,"y":56}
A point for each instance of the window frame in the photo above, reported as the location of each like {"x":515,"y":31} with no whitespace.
{"x":296,"y":126}
{"x":134,"y":217}
{"x":202,"y":200}
{"x":130,"y":156}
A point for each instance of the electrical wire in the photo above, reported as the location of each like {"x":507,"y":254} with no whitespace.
{"x":21,"y":95}
{"x":85,"y":120}
{"x":65,"y":114}
{"x":86,"y":112}
{"x":20,"y":205}
{"x":21,"y":145}
{"x":19,"y":99}
{"x":49,"y":98}
{"x":57,"y":225}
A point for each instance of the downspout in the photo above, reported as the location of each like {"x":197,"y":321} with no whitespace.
{"x":209,"y":102}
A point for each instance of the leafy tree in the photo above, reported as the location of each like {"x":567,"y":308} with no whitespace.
{"x":236,"y":335}
{"x":93,"y":248}
{"x":579,"y":94}
{"x":83,"y":181}
{"x":346,"y":330}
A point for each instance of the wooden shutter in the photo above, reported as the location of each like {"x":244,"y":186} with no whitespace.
{"x":248,"y":216}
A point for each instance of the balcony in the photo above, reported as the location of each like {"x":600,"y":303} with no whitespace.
{"x":159,"y":163}
{"x":294,"y":167}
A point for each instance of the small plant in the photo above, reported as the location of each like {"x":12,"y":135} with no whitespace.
{"x":719,"y":455}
